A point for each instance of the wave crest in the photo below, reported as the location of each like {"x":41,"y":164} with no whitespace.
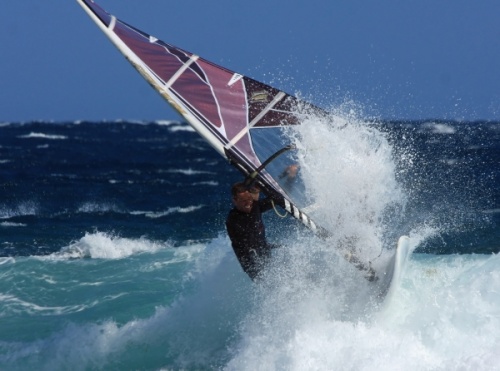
{"x":101,"y":245}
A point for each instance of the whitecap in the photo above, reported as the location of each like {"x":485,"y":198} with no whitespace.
{"x":11,"y":224}
{"x":93,"y":207}
{"x":23,"y":209}
{"x":181,"y":128}
{"x":172,"y":210}
{"x":207,"y":183}
{"x":188,"y":171}
{"x":438,"y":128}
{"x":43,"y":136}
{"x":101,"y":245}
{"x":165,"y":122}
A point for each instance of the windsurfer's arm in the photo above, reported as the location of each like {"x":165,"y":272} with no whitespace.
{"x":266,"y":204}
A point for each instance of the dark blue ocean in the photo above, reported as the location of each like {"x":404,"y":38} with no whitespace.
{"x":113,"y":252}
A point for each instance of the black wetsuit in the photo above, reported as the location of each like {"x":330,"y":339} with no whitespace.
{"x":248,"y":236}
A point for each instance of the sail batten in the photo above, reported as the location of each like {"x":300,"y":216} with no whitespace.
{"x":181,"y":70}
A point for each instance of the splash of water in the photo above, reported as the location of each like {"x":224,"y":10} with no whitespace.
{"x":313,"y":310}
{"x":101,"y":245}
{"x":349,"y":169}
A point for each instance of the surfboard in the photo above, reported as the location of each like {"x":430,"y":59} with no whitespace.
{"x":390,"y":280}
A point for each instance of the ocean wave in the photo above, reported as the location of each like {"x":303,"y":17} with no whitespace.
{"x":132,"y":122}
{"x":165,"y":122}
{"x":193,"y":325}
{"x":92,"y":207}
{"x":172,"y":210}
{"x":438,"y":128}
{"x":12,"y":304}
{"x":174,"y":125}
{"x":43,"y":136}
{"x":23,"y":209}
{"x":96,"y":208}
{"x":207,"y":183}
{"x":188,"y":171}
{"x":11,"y":224}
{"x":182,"y":254}
{"x":181,"y":128}
{"x":101,"y":245}
{"x":7,"y":260}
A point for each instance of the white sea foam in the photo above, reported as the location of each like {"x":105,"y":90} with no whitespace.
{"x":188,"y":171}
{"x":175,"y":125}
{"x":23,"y":209}
{"x":11,"y":224}
{"x":181,"y":128}
{"x":101,"y":245}
{"x":172,"y":210}
{"x":446,"y":316}
{"x":439,"y":128}
{"x":93,"y":207}
{"x":43,"y":136}
{"x":165,"y":122}
{"x":207,"y":183}
{"x":13,"y":305}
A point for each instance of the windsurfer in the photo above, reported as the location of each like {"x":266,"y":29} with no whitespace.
{"x":246,"y":229}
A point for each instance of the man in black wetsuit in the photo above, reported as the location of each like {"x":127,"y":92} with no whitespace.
{"x":246,"y":229}
{"x":248,"y":236}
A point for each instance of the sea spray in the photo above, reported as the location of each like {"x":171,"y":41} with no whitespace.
{"x":312,"y":310}
{"x":349,"y":170}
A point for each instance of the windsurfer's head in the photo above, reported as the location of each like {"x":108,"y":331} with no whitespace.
{"x":242,"y":198}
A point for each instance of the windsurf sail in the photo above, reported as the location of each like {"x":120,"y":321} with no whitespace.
{"x":243,"y":119}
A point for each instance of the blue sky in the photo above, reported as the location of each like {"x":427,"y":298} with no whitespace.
{"x":407,"y":59}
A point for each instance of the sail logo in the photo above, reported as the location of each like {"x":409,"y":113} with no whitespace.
{"x":259,"y":97}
